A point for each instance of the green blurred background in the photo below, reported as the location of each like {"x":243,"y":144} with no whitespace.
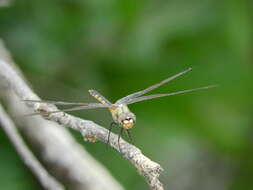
{"x":203,"y":140}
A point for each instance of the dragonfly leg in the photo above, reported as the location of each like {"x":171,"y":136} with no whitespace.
{"x":121,"y":131}
{"x":129,"y":136}
{"x":110,"y":130}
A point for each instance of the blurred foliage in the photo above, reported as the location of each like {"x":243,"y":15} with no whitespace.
{"x":118,"y":47}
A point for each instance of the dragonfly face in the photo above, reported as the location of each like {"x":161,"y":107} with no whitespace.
{"x":123,"y":116}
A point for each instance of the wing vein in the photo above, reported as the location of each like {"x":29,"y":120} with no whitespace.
{"x":90,"y":106}
{"x":139,"y":99}
{"x":57,"y":102}
{"x":139,"y":93}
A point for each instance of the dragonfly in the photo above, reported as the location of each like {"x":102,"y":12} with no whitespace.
{"x":121,"y":114}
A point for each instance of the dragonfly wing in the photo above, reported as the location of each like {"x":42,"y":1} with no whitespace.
{"x":57,"y":102}
{"x":139,"y":99}
{"x":90,"y":106}
{"x":139,"y":93}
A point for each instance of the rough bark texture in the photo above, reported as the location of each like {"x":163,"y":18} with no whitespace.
{"x":46,"y":180}
{"x":58,"y":150}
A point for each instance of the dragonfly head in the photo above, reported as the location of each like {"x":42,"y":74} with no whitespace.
{"x":127,"y":120}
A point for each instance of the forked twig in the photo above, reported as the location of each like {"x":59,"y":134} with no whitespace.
{"x":46,"y":180}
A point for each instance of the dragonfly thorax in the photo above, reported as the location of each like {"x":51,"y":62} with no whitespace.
{"x":123,"y":116}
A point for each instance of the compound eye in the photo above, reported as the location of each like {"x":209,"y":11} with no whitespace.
{"x":125,"y":121}
{"x":132,"y":120}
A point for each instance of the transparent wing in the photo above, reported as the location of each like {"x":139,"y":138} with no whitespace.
{"x":139,"y":93}
{"x":57,"y":102}
{"x":139,"y":99}
{"x":89,"y":106}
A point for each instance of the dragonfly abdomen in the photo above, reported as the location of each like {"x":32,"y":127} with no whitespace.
{"x":99,"y":97}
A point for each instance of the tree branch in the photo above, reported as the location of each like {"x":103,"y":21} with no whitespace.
{"x":89,"y":130}
{"x":47,"y":181}
{"x":56,"y":147}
